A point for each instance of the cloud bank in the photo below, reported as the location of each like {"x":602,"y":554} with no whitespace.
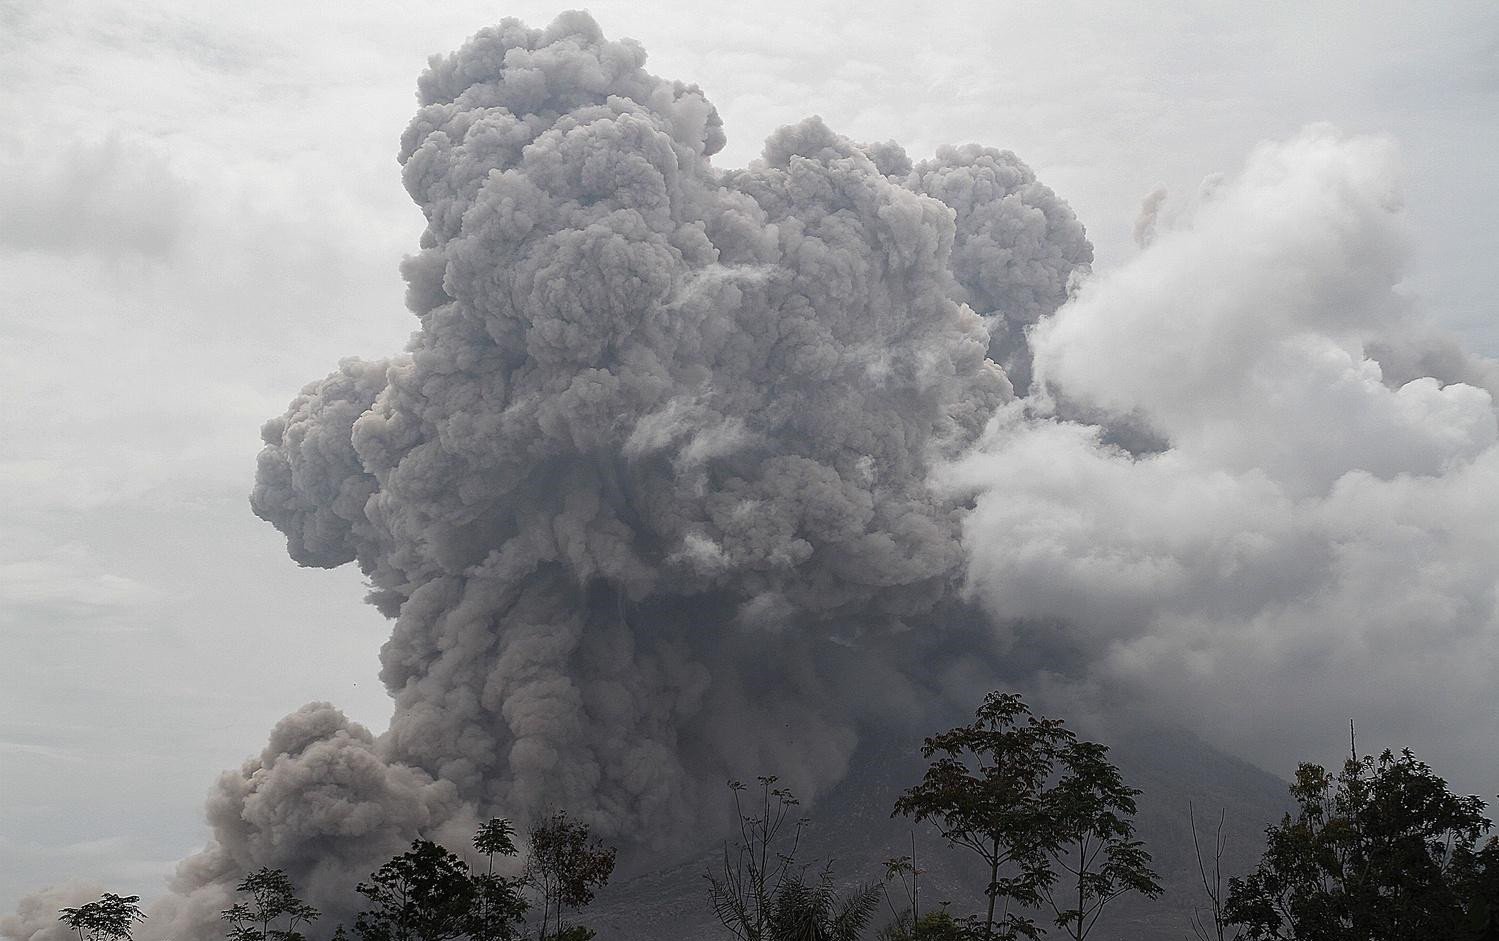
{"x":1318,"y":538}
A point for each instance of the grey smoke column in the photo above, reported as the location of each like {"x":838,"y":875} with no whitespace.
{"x":647,"y":495}
{"x":1018,"y":246}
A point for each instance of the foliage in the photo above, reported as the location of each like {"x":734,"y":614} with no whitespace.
{"x":499,"y":906}
{"x":1481,"y":895}
{"x":907,"y":923}
{"x":1032,"y":802}
{"x":743,"y":894}
{"x":762,"y":894}
{"x":903,"y":869}
{"x":424,"y":894}
{"x":110,"y":918}
{"x":565,"y":867}
{"x":272,"y":898}
{"x":938,"y":925}
{"x":496,"y":836}
{"x":984,"y":792}
{"x":1088,"y":833}
{"x":812,"y":911}
{"x":1383,"y":850}
{"x":429,"y":894}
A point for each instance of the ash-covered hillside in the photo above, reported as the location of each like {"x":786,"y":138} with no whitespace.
{"x":853,"y":829}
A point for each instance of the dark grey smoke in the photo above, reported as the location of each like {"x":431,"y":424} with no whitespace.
{"x":647,"y":494}
{"x":690,"y":473}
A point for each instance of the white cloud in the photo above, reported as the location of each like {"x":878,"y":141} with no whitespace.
{"x":1314,"y":543}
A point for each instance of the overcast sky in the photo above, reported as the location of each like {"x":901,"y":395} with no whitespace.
{"x":200,"y":210}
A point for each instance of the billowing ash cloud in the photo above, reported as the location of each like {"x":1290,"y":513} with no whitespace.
{"x":689,"y":473}
{"x":1018,"y":246}
{"x":647,"y":496}
{"x":35,"y":917}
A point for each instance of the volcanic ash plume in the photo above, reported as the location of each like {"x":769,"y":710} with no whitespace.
{"x":647,"y":495}
{"x":688,"y":473}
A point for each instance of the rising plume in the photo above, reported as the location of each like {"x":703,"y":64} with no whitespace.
{"x":647,"y":495}
{"x":691,"y":473}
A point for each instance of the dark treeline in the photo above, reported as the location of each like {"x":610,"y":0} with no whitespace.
{"x":1378,"y":851}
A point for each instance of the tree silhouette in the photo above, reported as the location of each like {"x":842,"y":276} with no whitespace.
{"x":1088,"y":818}
{"x":813,"y":911}
{"x":499,"y":905}
{"x":751,"y":876}
{"x":903,"y":869}
{"x":110,"y":918}
{"x":424,"y":894}
{"x":1034,"y":803}
{"x":1381,"y":850}
{"x":565,"y":867}
{"x":1480,"y":893}
{"x":1217,"y":928}
{"x":984,"y":792}
{"x":272,"y":898}
{"x":937,"y":925}
{"x":496,"y":836}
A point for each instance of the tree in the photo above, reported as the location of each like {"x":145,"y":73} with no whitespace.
{"x":1481,"y":894}
{"x":496,"y":836}
{"x":1033,"y":802}
{"x":424,"y":894}
{"x":1382,"y":850}
{"x":1217,"y":929}
{"x":499,"y":905}
{"x":743,"y":893}
{"x":272,"y":898}
{"x":903,"y":869}
{"x":565,"y":867}
{"x":812,"y":911}
{"x":1087,"y":818}
{"x":984,"y":792}
{"x":762,"y":894}
{"x":937,"y":925}
{"x":110,"y":918}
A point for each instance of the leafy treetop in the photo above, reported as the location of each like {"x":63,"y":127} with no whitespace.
{"x":1381,"y":850}
{"x":110,"y":918}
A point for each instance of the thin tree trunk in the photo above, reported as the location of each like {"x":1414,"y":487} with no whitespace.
{"x":915,"y":892}
{"x":1082,"y":848}
{"x":993,"y":878}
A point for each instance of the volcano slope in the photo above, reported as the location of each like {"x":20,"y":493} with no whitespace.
{"x":852,"y":829}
